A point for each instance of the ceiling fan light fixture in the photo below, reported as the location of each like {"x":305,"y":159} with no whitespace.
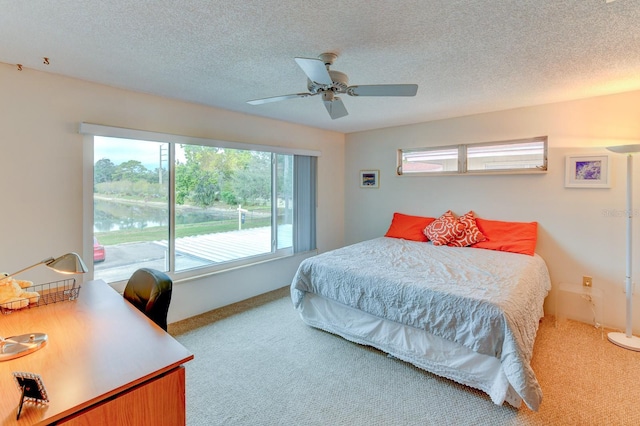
{"x":328,"y":95}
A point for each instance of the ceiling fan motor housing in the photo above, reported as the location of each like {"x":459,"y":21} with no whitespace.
{"x":340,"y":83}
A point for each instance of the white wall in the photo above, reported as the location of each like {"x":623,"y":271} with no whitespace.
{"x":575,"y":235}
{"x":41,"y":174}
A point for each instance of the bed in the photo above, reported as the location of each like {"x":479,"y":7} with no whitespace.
{"x":467,"y":314}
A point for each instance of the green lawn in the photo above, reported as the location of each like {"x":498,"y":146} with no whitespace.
{"x":157,"y":233}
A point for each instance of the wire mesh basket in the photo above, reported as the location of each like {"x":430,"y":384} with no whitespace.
{"x":43,"y":294}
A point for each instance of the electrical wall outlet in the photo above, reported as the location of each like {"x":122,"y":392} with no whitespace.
{"x":587,"y":281}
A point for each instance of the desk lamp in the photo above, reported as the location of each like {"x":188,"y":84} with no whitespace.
{"x":627,"y":340}
{"x":16,"y":346}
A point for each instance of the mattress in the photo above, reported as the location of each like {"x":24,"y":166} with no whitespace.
{"x":484,"y":301}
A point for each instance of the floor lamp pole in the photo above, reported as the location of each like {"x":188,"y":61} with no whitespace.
{"x":627,"y":340}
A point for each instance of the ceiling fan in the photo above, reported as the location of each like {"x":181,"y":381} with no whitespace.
{"x":329,"y":83}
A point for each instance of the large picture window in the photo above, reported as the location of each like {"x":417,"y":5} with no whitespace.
{"x":187,"y":208}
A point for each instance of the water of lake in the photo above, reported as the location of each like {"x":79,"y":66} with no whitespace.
{"x":113,"y":215}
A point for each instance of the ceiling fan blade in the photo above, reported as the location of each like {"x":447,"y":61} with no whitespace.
{"x":279,"y":98}
{"x":336,"y":108}
{"x":315,"y":70}
{"x":383,"y":90}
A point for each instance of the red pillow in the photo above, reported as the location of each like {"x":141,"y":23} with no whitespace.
{"x":444,"y":229}
{"x":408,"y":227}
{"x":514,"y":237}
{"x":470,"y":235}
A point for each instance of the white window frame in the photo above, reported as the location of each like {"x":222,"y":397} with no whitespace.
{"x":89,"y":130}
{"x":462,"y":159}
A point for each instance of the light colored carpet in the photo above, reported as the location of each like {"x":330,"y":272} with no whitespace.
{"x":257,"y":363}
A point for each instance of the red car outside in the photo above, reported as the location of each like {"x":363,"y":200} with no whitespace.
{"x":98,"y":251}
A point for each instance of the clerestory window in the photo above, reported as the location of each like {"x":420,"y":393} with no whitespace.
{"x":517,"y":156}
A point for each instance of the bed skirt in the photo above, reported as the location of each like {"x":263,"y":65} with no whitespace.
{"x":418,"y":347}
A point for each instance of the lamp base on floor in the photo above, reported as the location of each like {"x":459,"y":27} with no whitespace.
{"x":632,"y":343}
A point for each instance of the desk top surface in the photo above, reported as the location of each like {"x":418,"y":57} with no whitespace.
{"x":99,"y":345}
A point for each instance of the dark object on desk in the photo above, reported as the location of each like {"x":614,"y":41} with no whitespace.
{"x":31,"y":388}
{"x":149,"y":290}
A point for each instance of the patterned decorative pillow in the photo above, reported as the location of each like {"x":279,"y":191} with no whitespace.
{"x":444,"y":229}
{"x":470,"y":235}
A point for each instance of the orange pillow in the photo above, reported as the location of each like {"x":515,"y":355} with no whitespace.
{"x":514,"y":237}
{"x":470,"y":235}
{"x":408,"y":227}
{"x":444,"y":229}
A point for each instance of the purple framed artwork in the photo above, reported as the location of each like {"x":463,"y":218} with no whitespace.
{"x":588,"y":171}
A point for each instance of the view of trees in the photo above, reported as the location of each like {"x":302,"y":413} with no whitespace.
{"x":208,"y":175}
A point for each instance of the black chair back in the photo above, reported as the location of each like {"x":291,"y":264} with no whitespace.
{"x":149,"y":290}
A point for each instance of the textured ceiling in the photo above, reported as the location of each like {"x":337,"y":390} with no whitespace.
{"x":467,"y":56}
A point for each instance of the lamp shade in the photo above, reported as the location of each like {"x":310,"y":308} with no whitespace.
{"x":69,"y":263}
{"x":624,"y":149}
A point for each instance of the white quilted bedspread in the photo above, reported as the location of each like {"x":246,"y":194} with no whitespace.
{"x":489,"y":301}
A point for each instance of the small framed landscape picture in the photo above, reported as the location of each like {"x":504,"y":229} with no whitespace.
{"x":369,"y":178}
{"x":587,"y":171}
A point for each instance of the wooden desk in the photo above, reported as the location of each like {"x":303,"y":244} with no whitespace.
{"x":104,"y":363}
